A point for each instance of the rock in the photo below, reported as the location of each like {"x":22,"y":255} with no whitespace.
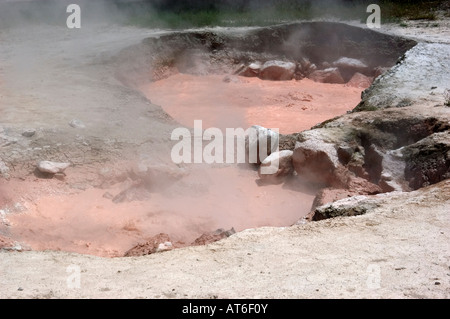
{"x":388,"y":185}
{"x":156,"y":177}
{"x":28,"y":133}
{"x":305,"y":64}
{"x":6,"y":140}
{"x":52,"y":167}
{"x":350,"y":63}
{"x":277,"y":71}
{"x":354,"y":186}
{"x":356,"y":164}
{"x":299,"y":75}
{"x":252,"y":70}
{"x":276,"y":167}
{"x":380,"y":203}
{"x":7,"y":243}
{"x":345,"y":153}
{"x":317,"y":162}
{"x":164,"y":246}
{"x":134,"y":193}
{"x":260,"y":137}
{"x":428,"y":160}
{"x":108,"y":195}
{"x":330,"y":195}
{"x":373,"y":162}
{"x":349,"y":66}
{"x":392,"y":177}
{"x":362,"y":186}
{"x":330,"y":75}
{"x":379,"y":71}
{"x":359,"y":80}
{"x":15,"y":247}
{"x":304,"y":68}
{"x":110,"y":175}
{"x":77,"y":124}
{"x":352,"y":206}
{"x":231,"y":79}
{"x":326,"y":65}
{"x":239,"y":69}
{"x":4,"y":170}
{"x":154,"y":244}
{"x":214,"y":236}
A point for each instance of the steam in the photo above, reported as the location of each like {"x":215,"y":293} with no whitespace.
{"x":42,"y":74}
{"x":16,"y":13}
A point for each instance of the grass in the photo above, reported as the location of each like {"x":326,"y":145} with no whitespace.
{"x":208,"y":18}
{"x":395,"y":11}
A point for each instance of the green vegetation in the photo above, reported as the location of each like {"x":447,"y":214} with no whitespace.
{"x":409,"y":10}
{"x":191,"y":14}
{"x":212,"y":17}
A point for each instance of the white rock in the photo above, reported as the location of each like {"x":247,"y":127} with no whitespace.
{"x":4,"y":170}
{"x":276,"y":166}
{"x":52,"y":167}
{"x":359,"y":80}
{"x":231,"y":79}
{"x":260,"y":143}
{"x":28,"y":133}
{"x":317,"y":161}
{"x":330,"y":75}
{"x":350,"y":63}
{"x":164,"y":246}
{"x":255,"y":66}
{"x":277,"y":70}
{"x":77,"y":124}
{"x":252,"y":70}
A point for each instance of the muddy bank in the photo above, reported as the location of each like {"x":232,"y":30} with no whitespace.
{"x":399,"y":249}
{"x":219,"y":51}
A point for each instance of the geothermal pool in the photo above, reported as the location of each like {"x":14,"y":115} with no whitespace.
{"x":290,"y":106}
{"x":79,"y":213}
{"x":207,"y":198}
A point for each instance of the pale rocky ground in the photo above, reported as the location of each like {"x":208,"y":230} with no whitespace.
{"x":399,"y":249}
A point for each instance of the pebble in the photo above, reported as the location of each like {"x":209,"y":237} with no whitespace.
{"x":28,"y":133}
{"x":77,"y":124}
{"x":52,"y":167}
{"x":108,"y":195}
{"x":164,"y":246}
{"x":4,"y":169}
